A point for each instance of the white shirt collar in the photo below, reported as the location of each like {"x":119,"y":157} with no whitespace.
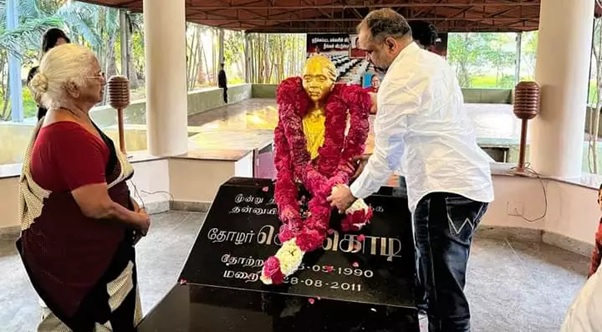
{"x":407,"y":51}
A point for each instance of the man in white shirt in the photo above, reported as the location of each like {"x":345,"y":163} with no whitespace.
{"x":423,"y":132}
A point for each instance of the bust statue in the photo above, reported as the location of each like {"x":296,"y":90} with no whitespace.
{"x":321,"y":127}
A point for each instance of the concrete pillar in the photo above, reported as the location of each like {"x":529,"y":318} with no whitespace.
{"x":562,"y":70}
{"x":166,"y":92}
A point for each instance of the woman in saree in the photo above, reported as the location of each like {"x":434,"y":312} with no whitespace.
{"x":78,"y":221}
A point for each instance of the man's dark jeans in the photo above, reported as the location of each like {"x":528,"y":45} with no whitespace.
{"x":444,"y":225}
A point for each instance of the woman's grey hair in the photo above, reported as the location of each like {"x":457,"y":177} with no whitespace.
{"x":386,"y":22}
{"x":62,"y":65}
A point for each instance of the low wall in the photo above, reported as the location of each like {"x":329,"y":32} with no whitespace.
{"x":555,"y":212}
{"x":14,"y":138}
{"x":487,"y":96}
{"x":264,"y":91}
{"x":198,"y":101}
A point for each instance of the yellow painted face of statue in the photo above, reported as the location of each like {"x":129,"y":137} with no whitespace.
{"x":318,"y":77}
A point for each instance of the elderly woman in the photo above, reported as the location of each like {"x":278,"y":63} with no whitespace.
{"x":79,"y":223}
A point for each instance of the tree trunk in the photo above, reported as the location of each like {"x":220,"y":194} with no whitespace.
{"x":5,"y":113}
{"x":132,"y":74}
{"x":196,"y":59}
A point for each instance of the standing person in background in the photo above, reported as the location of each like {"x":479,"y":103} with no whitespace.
{"x":222,"y":82}
{"x":51,"y":38}
{"x":424,"y":34}
{"x":422,"y":130}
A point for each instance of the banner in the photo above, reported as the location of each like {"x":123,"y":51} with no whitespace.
{"x":327,"y":44}
{"x":355,"y":52}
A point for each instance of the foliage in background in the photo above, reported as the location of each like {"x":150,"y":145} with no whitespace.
{"x":19,"y":42}
{"x":276,"y":56}
{"x":594,"y":100}
{"x":488,"y":60}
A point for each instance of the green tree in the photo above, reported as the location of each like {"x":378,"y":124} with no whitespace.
{"x":463,"y":52}
{"x":19,"y":42}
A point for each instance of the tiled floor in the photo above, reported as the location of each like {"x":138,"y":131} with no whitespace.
{"x":512,"y":286}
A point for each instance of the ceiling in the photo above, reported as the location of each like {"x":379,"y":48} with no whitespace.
{"x":301,"y":16}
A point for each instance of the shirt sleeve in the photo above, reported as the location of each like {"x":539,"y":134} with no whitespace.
{"x":391,"y":124}
{"x":80,"y":157}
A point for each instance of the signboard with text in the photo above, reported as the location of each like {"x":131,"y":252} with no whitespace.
{"x":241,"y":230}
{"x":327,"y":43}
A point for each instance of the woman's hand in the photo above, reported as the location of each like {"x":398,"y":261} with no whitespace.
{"x":142,"y":222}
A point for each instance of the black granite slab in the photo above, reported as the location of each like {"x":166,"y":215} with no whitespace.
{"x":240,"y":232}
{"x":351,"y":284}
{"x":211,"y":309}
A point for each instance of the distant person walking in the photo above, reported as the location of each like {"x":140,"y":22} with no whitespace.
{"x":222,"y":82}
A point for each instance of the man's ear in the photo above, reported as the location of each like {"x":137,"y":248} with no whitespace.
{"x":390,"y":43}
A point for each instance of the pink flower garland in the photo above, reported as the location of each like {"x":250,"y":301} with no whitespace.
{"x":333,"y":166}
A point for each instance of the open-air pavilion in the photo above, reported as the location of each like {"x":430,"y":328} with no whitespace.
{"x":536,"y":236}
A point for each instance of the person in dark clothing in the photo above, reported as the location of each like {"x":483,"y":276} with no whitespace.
{"x":51,"y":38}
{"x":222,"y":82}
{"x":423,"y":33}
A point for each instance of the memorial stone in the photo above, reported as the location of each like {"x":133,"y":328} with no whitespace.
{"x":362,"y":279}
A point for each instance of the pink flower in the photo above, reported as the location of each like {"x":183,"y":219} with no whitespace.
{"x":271,"y":269}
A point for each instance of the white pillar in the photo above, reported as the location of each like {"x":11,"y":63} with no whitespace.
{"x":166,"y":92}
{"x":562,"y":70}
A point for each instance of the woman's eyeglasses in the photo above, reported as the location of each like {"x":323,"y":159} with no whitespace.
{"x":98,"y":76}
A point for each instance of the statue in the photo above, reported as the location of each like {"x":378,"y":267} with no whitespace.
{"x":321,"y":127}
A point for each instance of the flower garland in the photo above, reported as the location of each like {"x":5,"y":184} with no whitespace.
{"x":301,"y":233}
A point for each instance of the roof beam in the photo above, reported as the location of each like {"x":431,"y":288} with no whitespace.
{"x":202,"y":17}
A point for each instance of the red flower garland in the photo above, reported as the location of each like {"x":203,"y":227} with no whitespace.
{"x":333,"y":166}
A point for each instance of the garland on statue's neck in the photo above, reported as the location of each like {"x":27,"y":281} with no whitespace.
{"x":304,"y":232}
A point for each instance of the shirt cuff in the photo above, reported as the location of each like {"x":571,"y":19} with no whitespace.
{"x":360,"y":188}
